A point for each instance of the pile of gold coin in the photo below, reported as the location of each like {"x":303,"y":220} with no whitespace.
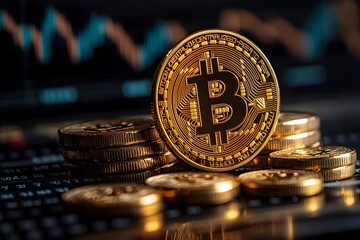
{"x":122,"y":150}
{"x":293,"y":130}
{"x":216,"y":107}
{"x":331,"y":162}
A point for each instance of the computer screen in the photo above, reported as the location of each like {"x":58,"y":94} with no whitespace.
{"x":68,"y":56}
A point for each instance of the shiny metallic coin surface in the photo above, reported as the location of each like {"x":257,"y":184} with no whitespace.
{"x":300,"y":140}
{"x":114,"y":199}
{"x":296,"y":122}
{"x":107,"y":133}
{"x":281,"y":183}
{"x":215,"y":100}
{"x":313,"y":158}
{"x":195,"y":187}
{"x":123,"y":153}
{"x":119,"y":167}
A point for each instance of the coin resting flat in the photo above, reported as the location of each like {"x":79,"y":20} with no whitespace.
{"x":195,"y":187}
{"x":280,"y":183}
{"x":107,"y":133}
{"x":114,"y":199}
{"x":215,"y":100}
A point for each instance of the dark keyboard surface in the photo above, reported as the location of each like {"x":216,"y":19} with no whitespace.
{"x":32,"y":181}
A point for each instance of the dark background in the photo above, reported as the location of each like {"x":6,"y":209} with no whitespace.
{"x":324,"y":64}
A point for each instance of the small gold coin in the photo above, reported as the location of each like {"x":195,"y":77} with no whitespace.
{"x":313,"y":158}
{"x":296,"y":122}
{"x":116,"y":154}
{"x":216,"y":100}
{"x":107,"y":133}
{"x":339,"y":173}
{"x":300,"y":140}
{"x":135,"y":165}
{"x":281,"y":183}
{"x":195,"y":187}
{"x":114,"y":200}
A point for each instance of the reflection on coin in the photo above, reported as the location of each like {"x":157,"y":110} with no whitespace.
{"x":216,"y":100}
{"x":296,"y":122}
{"x":114,"y":200}
{"x":313,"y":158}
{"x":107,"y":133}
{"x":195,"y":187}
{"x":280,"y":183}
{"x":300,"y":140}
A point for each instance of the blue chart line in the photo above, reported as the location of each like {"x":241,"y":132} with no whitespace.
{"x":309,"y":43}
{"x":95,"y":33}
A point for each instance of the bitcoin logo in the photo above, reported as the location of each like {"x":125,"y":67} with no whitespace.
{"x":209,"y":113}
{"x":215,"y":100}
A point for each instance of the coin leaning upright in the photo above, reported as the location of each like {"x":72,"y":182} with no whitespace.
{"x":215,"y":100}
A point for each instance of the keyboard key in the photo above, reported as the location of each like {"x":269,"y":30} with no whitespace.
{"x":56,"y":232}
{"x":100,"y":226}
{"x":14,"y":214}
{"x":6,"y":228}
{"x":118,"y":223}
{"x":49,"y":222}
{"x":27,"y":224}
{"x":76,"y":229}
{"x":69,"y":219}
{"x":34,"y":235}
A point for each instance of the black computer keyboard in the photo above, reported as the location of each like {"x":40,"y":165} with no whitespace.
{"x":33,"y":179}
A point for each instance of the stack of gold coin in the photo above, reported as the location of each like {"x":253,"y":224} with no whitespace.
{"x":293,"y":130}
{"x":331,"y":162}
{"x":122,"y":150}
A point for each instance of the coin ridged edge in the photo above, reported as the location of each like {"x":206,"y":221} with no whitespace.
{"x":134,"y":165}
{"x":281,"y":191}
{"x":114,"y":154}
{"x":140,"y":177}
{"x":312,"y":123}
{"x":181,"y":197}
{"x":288,"y":142}
{"x":315,"y":163}
{"x":120,"y":138}
{"x":268,"y":190}
{"x":338,"y":173}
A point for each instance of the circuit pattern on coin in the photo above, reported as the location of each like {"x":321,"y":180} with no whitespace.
{"x":216,"y":100}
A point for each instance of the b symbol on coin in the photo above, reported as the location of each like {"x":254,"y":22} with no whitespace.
{"x":216,"y":93}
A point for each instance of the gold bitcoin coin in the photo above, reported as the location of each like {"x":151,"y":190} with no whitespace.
{"x":195,"y":187}
{"x":216,"y":100}
{"x":114,"y":199}
{"x":107,"y":133}
{"x":116,"y":154}
{"x":281,"y":183}
{"x":134,"y":165}
{"x":339,"y":173}
{"x":296,"y":122}
{"x":300,"y":140}
{"x":313,"y":158}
